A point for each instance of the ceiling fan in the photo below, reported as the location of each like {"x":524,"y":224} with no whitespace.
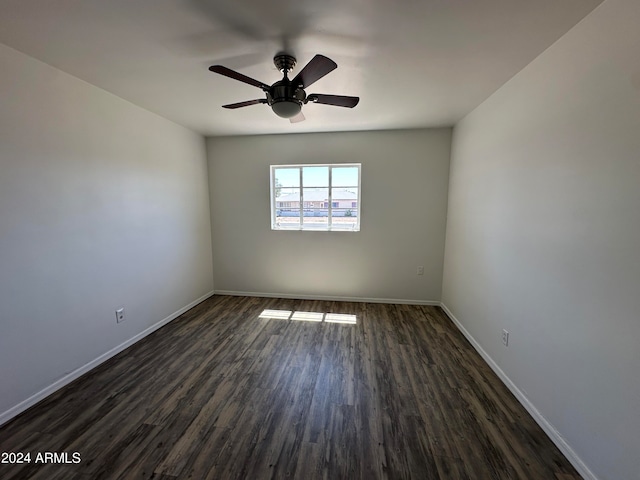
{"x":286,"y":97}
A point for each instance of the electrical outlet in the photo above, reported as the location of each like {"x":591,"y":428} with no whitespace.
{"x":420,"y":270}
{"x":505,"y":338}
{"x":119,"y":314}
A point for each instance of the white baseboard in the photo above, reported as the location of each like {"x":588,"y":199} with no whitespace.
{"x":548,"y":428}
{"x":328,"y":297}
{"x":70,"y":377}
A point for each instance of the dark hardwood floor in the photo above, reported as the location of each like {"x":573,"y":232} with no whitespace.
{"x":221,"y":393}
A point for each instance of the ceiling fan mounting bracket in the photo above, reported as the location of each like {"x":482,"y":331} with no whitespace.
{"x":284,"y":62}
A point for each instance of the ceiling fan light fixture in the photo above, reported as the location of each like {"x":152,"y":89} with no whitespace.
{"x":286,"y":108}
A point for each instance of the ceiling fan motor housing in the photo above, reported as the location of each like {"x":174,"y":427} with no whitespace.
{"x":285,"y":98}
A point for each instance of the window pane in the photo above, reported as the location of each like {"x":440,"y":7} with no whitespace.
{"x":288,"y":206}
{"x":315,"y":176}
{"x":345,"y":214}
{"x":287,"y":177}
{"x":344,"y":176}
{"x":315,"y":207}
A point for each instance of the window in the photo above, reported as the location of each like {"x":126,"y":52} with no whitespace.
{"x":315,"y":197}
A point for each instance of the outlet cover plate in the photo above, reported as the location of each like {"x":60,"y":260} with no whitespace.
{"x":505,"y":338}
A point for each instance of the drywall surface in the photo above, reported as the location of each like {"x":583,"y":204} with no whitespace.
{"x":403,"y":212}
{"x":543,"y":235}
{"x":102,"y":204}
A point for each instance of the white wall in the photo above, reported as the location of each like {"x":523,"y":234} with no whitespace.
{"x":543,"y":236}
{"x":403,"y":198}
{"x":101,"y":204}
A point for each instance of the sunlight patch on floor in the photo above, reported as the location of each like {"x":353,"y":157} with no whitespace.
{"x":280,"y":314}
{"x":340,"y":318}
{"x":309,"y":316}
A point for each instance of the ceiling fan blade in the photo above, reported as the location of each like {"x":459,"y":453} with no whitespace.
{"x":245,"y":104}
{"x":227,"y":72}
{"x":313,"y":71}
{"x":337,"y":100}
{"x":298,"y":118}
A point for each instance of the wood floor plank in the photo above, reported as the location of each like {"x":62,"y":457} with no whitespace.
{"x":224,"y":392}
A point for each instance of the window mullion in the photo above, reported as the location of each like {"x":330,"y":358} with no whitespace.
{"x":330,"y":207}
{"x":301,"y":200}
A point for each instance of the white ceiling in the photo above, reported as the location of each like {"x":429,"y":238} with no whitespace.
{"x":414,"y":63}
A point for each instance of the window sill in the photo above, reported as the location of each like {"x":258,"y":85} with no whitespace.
{"x":311,"y":229}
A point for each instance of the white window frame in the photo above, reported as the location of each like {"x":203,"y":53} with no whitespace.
{"x":316,"y":227}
